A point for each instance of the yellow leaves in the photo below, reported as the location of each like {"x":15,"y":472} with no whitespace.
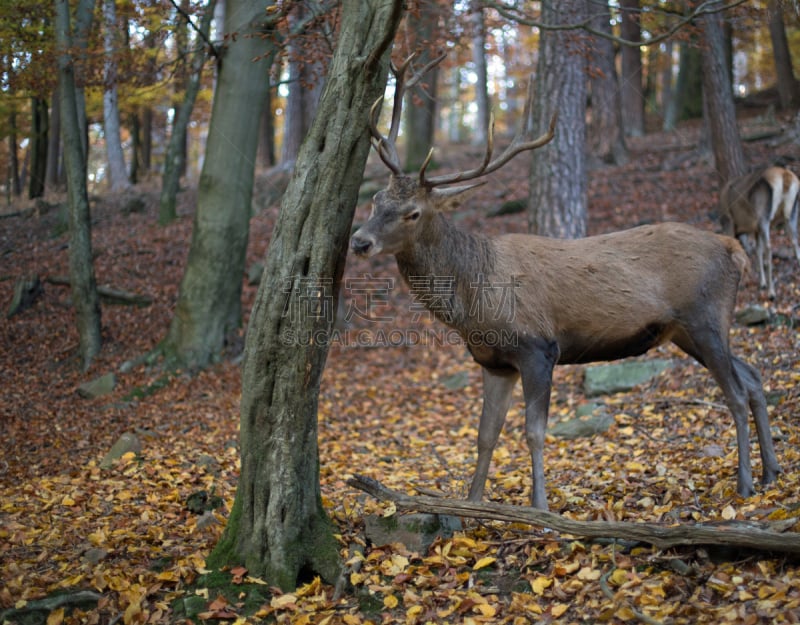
{"x":56,"y":617}
{"x":390,"y":602}
{"x":618,"y":577}
{"x":283,"y":602}
{"x":540,"y":584}
{"x":484,"y":562}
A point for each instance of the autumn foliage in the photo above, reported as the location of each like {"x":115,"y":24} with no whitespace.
{"x":136,"y":534}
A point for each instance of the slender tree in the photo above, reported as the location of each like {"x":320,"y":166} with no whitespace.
{"x":82,"y":278}
{"x":632,"y":86}
{"x":420,"y":109}
{"x":175,"y":160}
{"x":278,"y":526}
{"x":606,"y":138}
{"x":557,"y":202}
{"x":209,"y":300}
{"x":117,"y":172}
{"x":40,"y":121}
{"x":718,"y":94}
{"x":788,"y":86}
{"x":478,"y":23}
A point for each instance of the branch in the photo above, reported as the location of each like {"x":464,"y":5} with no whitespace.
{"x":704,"y":8}
{"x":743,"y":534}
{"x":203,"y":35}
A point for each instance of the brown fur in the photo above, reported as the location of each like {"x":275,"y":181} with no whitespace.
{"x":751,"y":204}
{"x":599,"y":298}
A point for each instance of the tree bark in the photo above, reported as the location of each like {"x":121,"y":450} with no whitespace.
{"x":82,"y":278}
{"x":762,"y":536}
{"x":175,"y":160}
{"x":717,"y":90}
{"x":689,"y":86}
{"x":305,"y":83}
{"x":557,"y":203}
{"x":632,"y":87}
{"x":117,"y":172}
{"x":209,"y":300}
{"x":278,"y":526}
{"x":788,"y":86}
{"x":479,"y":132}
{"x":420,"y":100}
{"x":52,"y":175}
{"x":606,"y":138}
{"x":38,"y":147}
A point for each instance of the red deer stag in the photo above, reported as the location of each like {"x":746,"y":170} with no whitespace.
{"x":572,"y":301}
{"x":750,"y":204}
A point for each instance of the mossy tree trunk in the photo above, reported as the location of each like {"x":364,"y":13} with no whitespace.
{"x":81,"y":270}
{"x":278,"y":528}
{"x":209,"y":300}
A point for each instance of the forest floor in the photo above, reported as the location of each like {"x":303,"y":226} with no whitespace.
{"x":403,"y":414}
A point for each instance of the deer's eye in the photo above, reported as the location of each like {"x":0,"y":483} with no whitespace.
{"x":412,"y":216}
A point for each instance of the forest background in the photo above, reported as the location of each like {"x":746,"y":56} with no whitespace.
{"x":128,"y":536}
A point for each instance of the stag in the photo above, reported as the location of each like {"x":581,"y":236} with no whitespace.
{"x":571,"y":301}
{"x":750,"y":204}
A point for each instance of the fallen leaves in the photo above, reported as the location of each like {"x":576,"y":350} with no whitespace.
{"x":404,"y":415}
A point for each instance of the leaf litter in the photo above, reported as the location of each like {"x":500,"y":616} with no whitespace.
{"x":405,"y":414}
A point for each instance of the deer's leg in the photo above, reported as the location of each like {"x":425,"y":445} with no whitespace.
{"x":711,"y":350}
{"x":758,"y":406}
{"x":537,"y":379}
{"x":497,"y":389}
{"x":768,"y":261}
{"x":760,"y":244}
{"x":791,"y":227}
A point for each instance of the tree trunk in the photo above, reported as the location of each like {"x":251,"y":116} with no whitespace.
{"x":84,"y":287}
{"x":278,"y":526}
{"x":117,"y":172}
{"x":788,"y":87}
{"x":557,"y":202}
{"x":266,"y":134}
{"x":725,"y":141}
{"x":175,"y":159}
{"x":52,"y":175}
{"x":305,"y":80}
{"x":420,"y":104}
{"x":38,"y":147}
{"x":13,"y":160}
{"x":632,"y":88}
{"x":479,"y":132}
{"x":667,"y":90}
{"x":606,"y":139}
{"x":209,"y":301}
{"x":147,"y":139}
{"x":689,"y":87}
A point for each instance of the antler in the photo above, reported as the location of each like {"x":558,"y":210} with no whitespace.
{"x":518,"y":144}
{"x":386,"y":147}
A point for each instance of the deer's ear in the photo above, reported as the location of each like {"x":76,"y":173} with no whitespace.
{"x":445,"y":198}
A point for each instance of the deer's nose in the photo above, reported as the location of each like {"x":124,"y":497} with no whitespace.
{"x":360,"y":245}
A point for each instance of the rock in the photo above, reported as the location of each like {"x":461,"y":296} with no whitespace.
{"x":98,"y":387}
{"x":128,"y":442}
{"x":95,"y":555}
{"x":622,"y":376}
{"x":591,"y":419}
{"x":456,"y":381}
{"x":26,"y":291}
{"x":752,"y":315}
{"x":416,"y":531}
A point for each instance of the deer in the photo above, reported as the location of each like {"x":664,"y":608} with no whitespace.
{"x":750,"y":204}
{"x":597,"y":298}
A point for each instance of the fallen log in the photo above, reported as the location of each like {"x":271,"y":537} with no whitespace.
{"x":767,"y":536}
{"x":110,"y":295}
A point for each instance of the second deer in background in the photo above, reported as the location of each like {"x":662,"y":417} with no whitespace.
{"x":751,"y":204}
